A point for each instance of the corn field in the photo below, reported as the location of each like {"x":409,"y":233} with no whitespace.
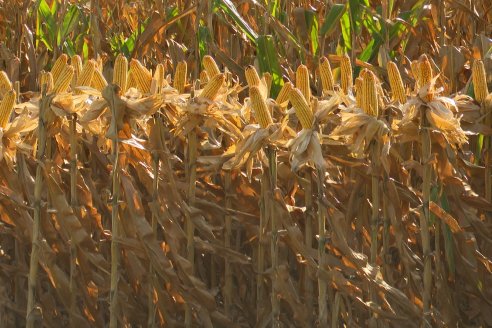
{"x":245,"y":163}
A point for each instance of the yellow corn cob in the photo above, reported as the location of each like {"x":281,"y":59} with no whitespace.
{"x":358,"y":91}
{"x":425,"y":75}
{"x":260,"y":107}
{"x":302,"y":109}
{"x":142,"y":76}
{"x":210,"y":66}
{"x":98,"y":81}
{"x":64,"y":79}
{"x":159,"y":75}
{"x":326,"y":75}
{"x":6,"y":107}
{"x":131,"y":82}
{"x":46,"y":78}
{"x":180,"y":76}
{"x":267,"y":77}
{"x":346,"y":80}
{"x":212,"y":88}
{"x":369,"y":100}
{"x":414,"y":65}
{"x":284,"y":93}
{"x":76,"y":63}
{"x":204,"y":77}
{"x":86,"y":74}
{"x":302,"y":82}
{"x":58,"y":66}
{"x":5,"y":84}
{"x":396,"y":83}
{"x":252,"y":76}
{"x":120,"y":72}
{"x":479,"y":81}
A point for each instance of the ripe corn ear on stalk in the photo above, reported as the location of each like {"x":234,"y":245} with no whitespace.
{"x":302,"y":82}
{"x":369,"y":99}
{"x":6,"y":107}
{"x":131,"y":82}
{"x":5,"y":84}
{"x":425,"y":76}
{"x":180,"y":76}
{"x":58,"y":66}
{"x":267,"y":77}
{"x":76,"y":63}
{"x":302,"y":109}
{"x":204,"y":77}
{"x":210,"y":66}
{"x":120,"y":72}
{"x":142,"y":76}
{"x":46,"y":78}
{"x":284,"y":93}
{"x":86,"y":74}
{"x":479,"y":81}
{"x":346,"y":74}
{"x":159,"y":74}
{"x":358,"y":91}
{"x":260,"y":108}
{"x":326,"y":75}
{"x":396,"y":83}
{"x":64,"y":79}
{"x":212,"y":88}
{"x":98,"y":81}
{"x":252,"y":76}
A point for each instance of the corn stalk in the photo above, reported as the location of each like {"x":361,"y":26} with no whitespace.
{"x":227,"y":243}
{"x":272,"y":172}
{"x":36,"y":228}
{"x":322,"y":284}
{"x":155,"y":198}
{"x":73,"y":203}
{"x":375,"y":161}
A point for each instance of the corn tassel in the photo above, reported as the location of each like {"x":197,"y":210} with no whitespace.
{"x":260,"y":107}
{"x":180,"y":76}
{"x":479,"y":81}
{"x":302,"y":82}
{"x":210,"y":66}
{"x":326,"y":75}
{"x":6,"y":107}
{"x":346,"y":80}
{"x":120,"y":72}
{"x":396,"y":83}
{"x":212,"y":88}
{"x":302,"y":109}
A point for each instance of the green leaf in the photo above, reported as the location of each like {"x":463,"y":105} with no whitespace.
{"x":70,"y":21}
{"x":345,"y":25}
{"x":312,"y":25}
{"x":203,"y":40}
{"x":332,"y":18}
{"x":47,"y":21}
{"x":228,"y":7}
{"x":268,"y":61}
{"x":478,"y":150}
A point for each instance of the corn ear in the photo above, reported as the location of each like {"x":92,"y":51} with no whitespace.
{"x":6,"y":107}
{"x":58,"y":66}
{"x":260,"y":107}
{"x":204,"y":78}
{"x":180,"y":76}
{"x":212,"y":88}
{"x":479,"y":81}
{"x":396,"y":83}
{"x":425,"y":75}
{"x":76,"y":63}
{"x":64,"y":79}
{"x":120,"y":72}
{"x":86,"y":74}
{"x":98,"y":81}
{"x":5,"y":84}
{"x":46,"y":78}
{"x":284,"y":93}
{"x":131,"y":82}
{"x":142,"y":76}
{"x":358,"y":91}
{"x":346,"y":80}
{"x":159,"y":75}
{"x":369,"y":100}
{"x":267,"y":77}
{"x":210,"y":66}
{"x":326,"y":75}
{"x":252,"y":76}
{"x":302,"y":81}
{"x":302,"y":109}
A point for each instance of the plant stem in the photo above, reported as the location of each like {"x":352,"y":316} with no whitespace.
{"x":227,"y":244}
{"x":308,"y":237}
{"x":190,"y":228}
{"x":155,"y":199}
{"x":73,"y":203}
{"x":261,"y":244}
{"x":488,"y":168}
{"x":375,"y":161}
{"x":115,"y":249}
{"x":424,"y":219}
{"x":38,"y":188}
{"x":322,"y":285}
{"x":272,"y":162}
